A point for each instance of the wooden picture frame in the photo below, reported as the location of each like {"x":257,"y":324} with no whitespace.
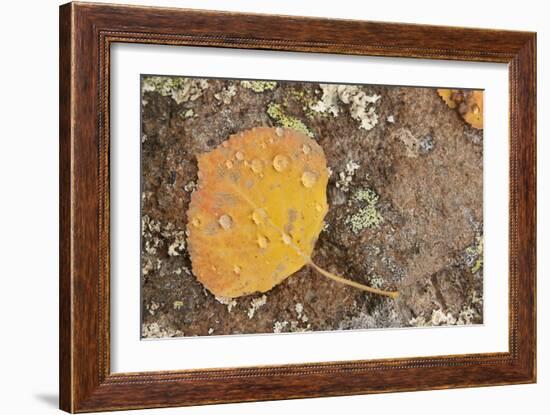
{"x":86,"y":33}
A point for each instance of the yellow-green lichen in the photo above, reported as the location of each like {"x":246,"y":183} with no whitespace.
{"x":180,"y":89}
{"x":306,"y":100}
{"x":474,"y":255}
{"x":277,"y":114}
{"x":368,"y":215}
{"x":259,"y":86}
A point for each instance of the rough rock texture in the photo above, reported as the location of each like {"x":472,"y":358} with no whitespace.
{"x":405,"y":206}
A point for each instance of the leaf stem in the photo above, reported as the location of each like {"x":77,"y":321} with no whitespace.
{"x":342,"y":280}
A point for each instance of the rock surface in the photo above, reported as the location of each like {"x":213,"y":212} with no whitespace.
{"x":405,"y":206}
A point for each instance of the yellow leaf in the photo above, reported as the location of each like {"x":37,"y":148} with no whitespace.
{"x":446,"y":95}
{"x":472,"y":110}
{"x":468,"y":103}
{"x":257,"y":211}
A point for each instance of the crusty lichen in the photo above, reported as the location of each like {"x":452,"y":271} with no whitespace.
{"x":440,"y":318}
{"x":467,"y":315}
{"x":259,"y":86}
{"x":226,"y":94}
{"x":154,"y":330}
{"x":346,"y":177}
{"x":155,"y":235}
{"x":255,"y":304}
{"x":279,"y":326}
{"x":178,"y":243}
{"x":229,"y":302}
{"x":368,"y":215}
{"x":362,"y":106}
{"x":188,"y":113}
{"x":306,"y":99}
{"x":179,"y":89}
{"x":474,"y":255}
{"x":276,"y":112}
{"x":383,"y":315}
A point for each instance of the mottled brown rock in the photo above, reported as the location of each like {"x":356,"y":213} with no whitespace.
{"x":406,"y":212}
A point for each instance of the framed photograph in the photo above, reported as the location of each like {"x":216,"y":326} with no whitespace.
{"x":258,"y":207}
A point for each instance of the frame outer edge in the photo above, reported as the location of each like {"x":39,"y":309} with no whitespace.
{"x":527,"y":119}
{"x":66,"y":120}
{"x":82,"y":387}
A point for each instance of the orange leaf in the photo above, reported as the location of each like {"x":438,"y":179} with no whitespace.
{"x":468,"y":103}
{"x":257,"y":211}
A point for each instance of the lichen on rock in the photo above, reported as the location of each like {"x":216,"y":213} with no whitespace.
{"x":367,"y":216}
{"x":474,"y":254}
{"x":255,"y":304}
{"x":179,"y":89}
{"x":362,"y":106}
{"x":427,"y":179}
{"x":277,"y":114}
{"x":259,"y":86}
{"x":226,"y":94}
{"x":346,"y":177}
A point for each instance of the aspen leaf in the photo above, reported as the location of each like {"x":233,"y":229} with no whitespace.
{"x":258,"y":209}
{"x":469,"y":104}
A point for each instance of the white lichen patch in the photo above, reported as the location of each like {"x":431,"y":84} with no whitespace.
{"x":381,"y":316}
{"x":299,"y":308}
{"x":439,"y":318}
{"x":149,"y":225}
{"x":177,"y":305}
{"x":154,"y":330}
{"x":279,"y":326}
{"x":297,"y":327}
{"x":146,"y":195}
{"x":390,"y":119}
{"x":190,"y":186}
{"x":226,"y":94}
{"x":151,"y":245}
{"x":188,"y":113}
{"x":210,"y":330}
{"x":152,"y":307}
{"x":147,"y":268}
{"x":179,"y":89}
{"x":419,"y":321}
{"x":362,"y":106}
{"x":178,"y":245}
{"x":259,"y":86}
{"x":368,"y":215}
{"x":229,"y":302}
{"x":466,"y":316}
{"x":150,"y":228}
{"x":376,"y":281}
{"x":346,"y":177}
{"x":255,"y":304}
{"x":475,"y":299}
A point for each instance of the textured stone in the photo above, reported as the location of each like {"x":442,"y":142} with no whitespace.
{"x":420,"y":163}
